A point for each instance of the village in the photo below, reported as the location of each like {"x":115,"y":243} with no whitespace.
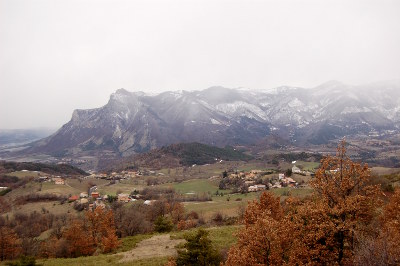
{"x":92,"y":198}
{"x":259,"y":180}
{"x":238,"y":181}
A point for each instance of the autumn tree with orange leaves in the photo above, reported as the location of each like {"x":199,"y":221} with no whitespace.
{"x":322,"y":230}
{"x":79,"y":239}
{"x":383,"y":248}
{"x":96,"y":231}
{"x":10,"y":244}
{"x":264,"y":239}
{"x":101,"y":226}
{"x":345,"y":206}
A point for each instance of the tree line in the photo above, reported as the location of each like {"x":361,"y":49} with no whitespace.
{"x":46,"y":235}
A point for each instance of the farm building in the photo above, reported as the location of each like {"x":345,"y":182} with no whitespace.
{"x":256,"y":188}
{"x":122,"y":197}
{"x":95,"y":195}
{"x":73,"y":198}
{"x":59,"y":181}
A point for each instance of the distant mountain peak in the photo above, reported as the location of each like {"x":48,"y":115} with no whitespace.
{"x":332,"y":84}
{"x":134,"y":122}
{"x":122,"y":91}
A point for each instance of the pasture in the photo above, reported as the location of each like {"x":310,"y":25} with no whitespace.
{"x":222,"y":238}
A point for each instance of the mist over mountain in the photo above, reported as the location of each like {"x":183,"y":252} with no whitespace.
{"x":12,"y":137}
{"x":134,"y":122}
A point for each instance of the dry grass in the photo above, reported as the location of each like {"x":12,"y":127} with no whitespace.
{"x":156,"y":246}
{"x":50,"y":187}
{"x":384,"y":170}
{"x":222,"y":205}
{"x":124,"y":186}
{"x":52,"y":207}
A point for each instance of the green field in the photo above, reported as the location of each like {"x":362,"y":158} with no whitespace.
{"x":308,"y":166}
{"x":294,"y":192}
{"x":196,"y":186}
{"x":222,"y":237}
{"x":23,"y":174}
{"x":124,"y":186}
{"x":228,"y":204}
{"x":220,"y":204}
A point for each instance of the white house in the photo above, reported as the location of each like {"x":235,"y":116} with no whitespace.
{"x":296,"y":170}
{"x":148,"y":202}
{"x":256,"y":188}
{"x":59,"y":181}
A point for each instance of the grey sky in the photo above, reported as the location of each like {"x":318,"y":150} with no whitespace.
{"x":61,"y":55}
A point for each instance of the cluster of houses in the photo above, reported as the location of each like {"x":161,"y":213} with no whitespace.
{"x":56,"y":179}
{"x":284,"y":181}
{"x":250,"y":180}
{"x":94,"y":199}
{"x":124,"y":174}
{"x":82,"y":198}
{"x":248,"y":176}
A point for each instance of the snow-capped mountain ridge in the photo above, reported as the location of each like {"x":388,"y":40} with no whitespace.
{"x":133,"y":122}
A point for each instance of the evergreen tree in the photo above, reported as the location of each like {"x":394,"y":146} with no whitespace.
{"x":198,"y":250}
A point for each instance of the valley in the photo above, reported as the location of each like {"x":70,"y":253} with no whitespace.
{"x":211,"y":195}
{"x":134,"y":181}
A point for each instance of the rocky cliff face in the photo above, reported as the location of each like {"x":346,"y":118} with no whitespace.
{"x":133,"y":122}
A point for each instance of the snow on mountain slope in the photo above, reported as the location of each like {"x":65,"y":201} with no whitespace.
{"x":133,"y":122}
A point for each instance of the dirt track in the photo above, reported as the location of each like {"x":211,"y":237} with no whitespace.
{"x":156,"y":246}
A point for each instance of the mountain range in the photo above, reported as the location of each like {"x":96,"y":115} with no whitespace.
{"x":135,"y":122}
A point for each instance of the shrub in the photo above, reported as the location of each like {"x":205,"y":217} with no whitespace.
{"x":163,"y":225}
{"x":23,"y":261}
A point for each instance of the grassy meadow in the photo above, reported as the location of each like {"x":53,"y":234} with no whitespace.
{"x":222,"y":238}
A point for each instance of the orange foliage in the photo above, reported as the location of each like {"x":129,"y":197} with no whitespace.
{"x":325,"y":229}
{"x":102,"y":229}
{"x":265,"y":239}
{"x":391,"y":228}
{"x":383,"y":249}
{"x":177,"y":212}
{"x":109,"y":241}
{"x":345,"y":206}
{"x":84,"y":236}
{"x":184,"y":225}
{"x":181,"y":225}
{"x":10,"y":244}
{"x":80,"y":240}
{"x":171,"y":262}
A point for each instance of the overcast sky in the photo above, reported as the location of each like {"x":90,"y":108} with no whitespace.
{"x":61,"y":55}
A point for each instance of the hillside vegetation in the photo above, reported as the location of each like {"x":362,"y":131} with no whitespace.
{"x":53,"y":169}
{"x":184,"y":154}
